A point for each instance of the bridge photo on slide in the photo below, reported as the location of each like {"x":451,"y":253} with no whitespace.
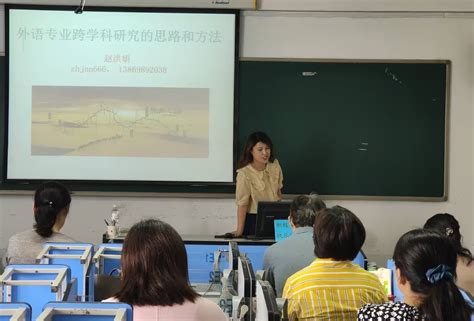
{"x":120,"y":121}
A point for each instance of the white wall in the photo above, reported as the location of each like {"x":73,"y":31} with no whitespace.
{"x":318,"y":35}
{"x":294,"y":5}
{"x":368,"y":5}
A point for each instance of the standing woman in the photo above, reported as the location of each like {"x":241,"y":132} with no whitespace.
{"x":50,"y":208}
{"x":259,"y":178}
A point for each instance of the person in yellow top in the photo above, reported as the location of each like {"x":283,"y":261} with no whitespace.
{"x":332,"y":287}
{"x":259,"y":178}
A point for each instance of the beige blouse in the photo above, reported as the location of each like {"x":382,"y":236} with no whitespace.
{"x":465,"y":275}
{"x":254,"y":185}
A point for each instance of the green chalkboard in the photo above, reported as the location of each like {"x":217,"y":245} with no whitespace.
{"x":351,"y":128}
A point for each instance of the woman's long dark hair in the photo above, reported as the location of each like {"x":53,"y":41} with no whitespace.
{"x":447,"y":225}
{"x":253,"y":139}
{"x":50,"y":199}
{"x":154,"y":266}
{"x":416,"y":253}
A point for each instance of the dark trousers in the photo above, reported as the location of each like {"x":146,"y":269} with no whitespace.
{"x":250,"y":224}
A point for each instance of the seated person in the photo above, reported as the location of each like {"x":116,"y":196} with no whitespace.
{"x":425,"y":272}
{"x":155,"y":277}
{"x":50,"y":208}
{"x":447,"y":225}
{"x":332,"y":287}
{"x":290,"y":255}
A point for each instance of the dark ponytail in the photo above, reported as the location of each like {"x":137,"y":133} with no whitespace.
{"x":444,"y":302}
{"x":50,"y":199}
{"x":447,"y":225}
{"x":428,"y":261}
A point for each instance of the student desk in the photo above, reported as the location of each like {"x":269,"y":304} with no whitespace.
{"x":201,"y":250}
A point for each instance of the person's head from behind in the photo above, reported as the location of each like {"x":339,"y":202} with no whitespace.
{"x":338,"y":234}
{"x":426,"y":270}
{"x":303,"y":210}
{"x":154,"y":266}
{"x":258,"y":148}
{"x":51,"y":206}
{"x":447,"y":225}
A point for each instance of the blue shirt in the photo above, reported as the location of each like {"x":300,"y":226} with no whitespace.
{"x":290,"y":255}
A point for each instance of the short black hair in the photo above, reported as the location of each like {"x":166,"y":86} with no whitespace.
{"x":303,"y":209}
{"x":338,"y":234}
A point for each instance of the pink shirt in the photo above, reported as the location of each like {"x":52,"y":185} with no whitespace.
{"x":201,"y":310}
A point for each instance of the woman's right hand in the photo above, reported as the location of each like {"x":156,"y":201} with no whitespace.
{"x":237,"y":233}
{"x":229,"y":235}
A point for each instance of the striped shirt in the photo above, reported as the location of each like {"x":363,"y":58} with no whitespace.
{"x":331,"y":290}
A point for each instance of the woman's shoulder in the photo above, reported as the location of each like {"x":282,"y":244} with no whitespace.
{"x":274,"y":166}
{"x":208,"y":310}
{"x":200,"y":310}
{"x":60,"y":237}
{"x":247,"y":174}
{"x":27,"y":235}
{"x":112,"y":299}
{"x":388,"y":310}
{"x":247,"y":169}
{"x":204,"y":303}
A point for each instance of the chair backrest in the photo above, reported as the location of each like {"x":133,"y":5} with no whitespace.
{"x":35,"y":284}
{"x":61,"y":311}
{"x":15,"y":312}
{"x":78,"y":256}
{"x":361,"y":260}
{"x":395,"y":290}
{"x":107,"y":258}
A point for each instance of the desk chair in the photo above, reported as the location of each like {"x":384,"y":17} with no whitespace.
{"x":35,"y":284}
{"x":78,"y":256}
{"x":15,"y":312}
{"x":61,"y":311}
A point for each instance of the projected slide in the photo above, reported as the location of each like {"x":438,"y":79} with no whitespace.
{"x":126,"y":96}
{"x":105,"y":121}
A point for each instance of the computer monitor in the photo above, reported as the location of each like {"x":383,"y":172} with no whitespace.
{"x":202,"y":262}
{"x":267,"y":308}
{"x":267,"y":212}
